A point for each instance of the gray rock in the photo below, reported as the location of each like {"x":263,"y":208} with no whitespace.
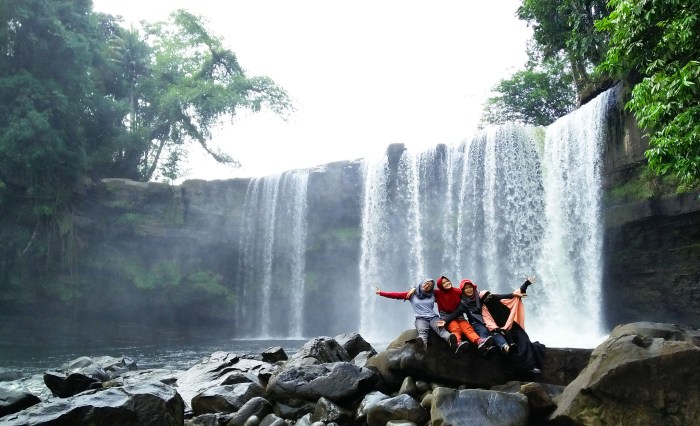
{"x":636,"y":375}
{"x":319,"y":350}
{"x":9,"y":375}
{"x":362,"y":358}
{"x":409,"y":387}
{"x":402,"y":407}
{"x":272,"y":420}
{"x":540,"y":401}
{"x":368,"y":402}
{"x":477,"y":407}
{"x":218,"y":369}
{"x":354,"y":344}
{"x":225,"y":399}
{"x":294,"y":409}
{"x":258,"y":407}
{"x":305,"y":420}
{"x":274,"y":354}
{"x":15,"y":400}
{"x":339,"y":381}
{"x":209,"y":419}
{"x":145,"y":404}
{"x":65,"y":385}
{"x":326,"y":411}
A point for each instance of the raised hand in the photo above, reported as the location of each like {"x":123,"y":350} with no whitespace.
{"x":411,"y":292}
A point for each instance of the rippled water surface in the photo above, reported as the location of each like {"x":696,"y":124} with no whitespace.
{"x":173,"y":355}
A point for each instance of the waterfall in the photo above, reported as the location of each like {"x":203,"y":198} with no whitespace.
{"x":570,"y":263}
{"x":299,"y":185}
{"x":273,"y":256}
{"x":514,"y":201}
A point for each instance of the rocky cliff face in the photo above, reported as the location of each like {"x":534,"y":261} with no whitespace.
{"x":171,"y":253}
{"x":652,"y":242}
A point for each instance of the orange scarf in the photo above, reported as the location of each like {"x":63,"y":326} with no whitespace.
{"x":517,"y":313}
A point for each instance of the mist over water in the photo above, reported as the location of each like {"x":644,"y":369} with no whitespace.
{"x":511,"y":202}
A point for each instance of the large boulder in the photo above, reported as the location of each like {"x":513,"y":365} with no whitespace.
{"x":401,"y":407}
{"x":644,"y":373}
{"x":354,"y":344}
{"x":86,"y":373}
{"x":258,"y":407}
{"x":404,"y":357}
{"x":145,"y":404}
{"x":319,"y":350}
{"x":225,"y":399}
{"x":340,"y":382}
{"x":221,"y":369}
{"x":478,"y":407}
{"x":14,"y":400}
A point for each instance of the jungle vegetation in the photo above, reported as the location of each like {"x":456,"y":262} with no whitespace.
{"x":82,"y":97}
{"x":651,"y":45}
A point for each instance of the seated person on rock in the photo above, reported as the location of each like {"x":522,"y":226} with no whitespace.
{"x":504,"y":315}
{"x":469,"y":309}
{"x":448,"y":299}
{"x":422,"y":300}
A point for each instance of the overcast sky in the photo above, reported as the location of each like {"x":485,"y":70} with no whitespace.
{"x":362,"y":74}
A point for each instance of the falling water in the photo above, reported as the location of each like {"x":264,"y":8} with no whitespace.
{"x":299,"y":185}
{"x":570,"y":262}
{"x":512,"y":202}
{"x":272,"y":262}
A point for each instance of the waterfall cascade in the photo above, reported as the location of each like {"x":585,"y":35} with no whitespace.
{"x":512,"y":202}
{"x":272,"y":260}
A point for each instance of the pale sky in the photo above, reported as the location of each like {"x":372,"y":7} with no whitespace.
{"x":362,"y":74}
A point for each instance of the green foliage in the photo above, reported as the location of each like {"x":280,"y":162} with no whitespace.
{"x":181,"y":83}
{"x":537,"y":96}
{"x":567,"y":27}
{"x":659,"y":41}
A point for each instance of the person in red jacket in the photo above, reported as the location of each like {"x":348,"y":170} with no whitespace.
{"x":447,"y":298}
{"x":422,"y":300}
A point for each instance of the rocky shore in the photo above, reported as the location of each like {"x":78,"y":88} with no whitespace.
{"x":644,"y":373}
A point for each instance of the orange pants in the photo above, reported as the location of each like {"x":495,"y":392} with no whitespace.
{"x":461,"y":326}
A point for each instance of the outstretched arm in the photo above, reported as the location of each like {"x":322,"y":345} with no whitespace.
{"x":401,"y":295}
{"x":528,"y":282}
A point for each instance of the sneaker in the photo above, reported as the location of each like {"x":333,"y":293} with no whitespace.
{"x":460,"y":346}
{"x":453,"y":341}
{"x":505,"y":348}
{"x":489,"y":353}
{"x":513,"y":348}
{"x":485,"y":343}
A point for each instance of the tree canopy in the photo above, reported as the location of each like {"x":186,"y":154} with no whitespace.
{"x":82,"y":97}
{"x":181,"y":82}
{"x":537,"y":95}
{"x":658,"y":42}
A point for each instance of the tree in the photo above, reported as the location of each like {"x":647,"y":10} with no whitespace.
{"x":567,"y":27}
{"x":52,"y":113}
{"x":658,"y":42}
{"x":537,"y":95}
{"x":181,"y":84}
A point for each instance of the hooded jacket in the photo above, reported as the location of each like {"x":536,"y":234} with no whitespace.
{"x":422,"y":303}
{"x":469,"y":306}
{"x":447,"y":300}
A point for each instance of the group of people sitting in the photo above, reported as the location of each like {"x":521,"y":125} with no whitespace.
{"x":492,"y":322}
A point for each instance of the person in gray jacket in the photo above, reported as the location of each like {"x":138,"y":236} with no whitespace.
{"x":423,"y":302}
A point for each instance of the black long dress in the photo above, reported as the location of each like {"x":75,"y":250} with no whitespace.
{"x":527,"y":355}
